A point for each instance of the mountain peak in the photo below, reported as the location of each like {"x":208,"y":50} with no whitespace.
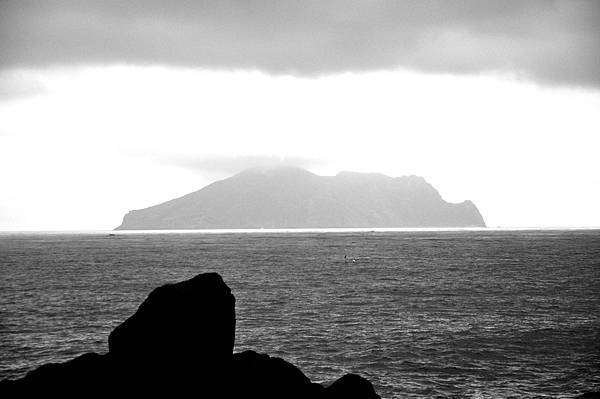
{"x":275,"y":171}
{"x":368,"y":175}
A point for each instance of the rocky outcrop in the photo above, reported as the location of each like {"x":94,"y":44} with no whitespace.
{"x":180,"y":343}
{"x":85,"y":375}
{"x":350,"y":386}
{"x":189,"y":325}
{"x":261,"y":376}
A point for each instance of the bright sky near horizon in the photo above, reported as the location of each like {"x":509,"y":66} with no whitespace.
{"x":82,"y":143}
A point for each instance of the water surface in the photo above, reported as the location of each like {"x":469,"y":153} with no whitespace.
{"x":419,"y":313}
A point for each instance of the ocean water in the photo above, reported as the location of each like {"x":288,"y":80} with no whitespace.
{"x":419,"y":313}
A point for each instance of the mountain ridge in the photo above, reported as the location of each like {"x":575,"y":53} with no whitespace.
{"x":291,"y":197}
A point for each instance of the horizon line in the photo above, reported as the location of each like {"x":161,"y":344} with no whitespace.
{"x":302,"y":230}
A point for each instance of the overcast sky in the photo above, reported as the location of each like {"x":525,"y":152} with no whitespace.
{"x":111,"y":106}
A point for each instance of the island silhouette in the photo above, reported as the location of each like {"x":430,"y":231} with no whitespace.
{"x":292,"y":197}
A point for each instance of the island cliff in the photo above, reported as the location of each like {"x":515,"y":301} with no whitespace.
{"x":179,"y":343}
{"x":295,"y":198}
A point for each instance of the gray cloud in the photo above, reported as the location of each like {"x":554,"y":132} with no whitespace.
{"x":552,"y":42}
{"x":235,"y":164}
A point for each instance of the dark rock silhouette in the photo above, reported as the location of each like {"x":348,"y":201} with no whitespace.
{"x":295,"y":198}
{"x":90,"y":372}
{"x":350,"y":386}
{"x":261,"y":376}
{"x":191,"y":322}
{"x":180,"y":342}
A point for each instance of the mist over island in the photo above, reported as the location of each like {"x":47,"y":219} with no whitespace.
{"x":291,"y":197}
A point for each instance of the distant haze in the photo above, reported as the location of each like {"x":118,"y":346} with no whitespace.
{"x":111,"y":106}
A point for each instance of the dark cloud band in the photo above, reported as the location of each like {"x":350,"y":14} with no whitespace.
{"x":555,"y":42}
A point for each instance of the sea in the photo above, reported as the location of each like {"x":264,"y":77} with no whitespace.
{"x":420,"y":313}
